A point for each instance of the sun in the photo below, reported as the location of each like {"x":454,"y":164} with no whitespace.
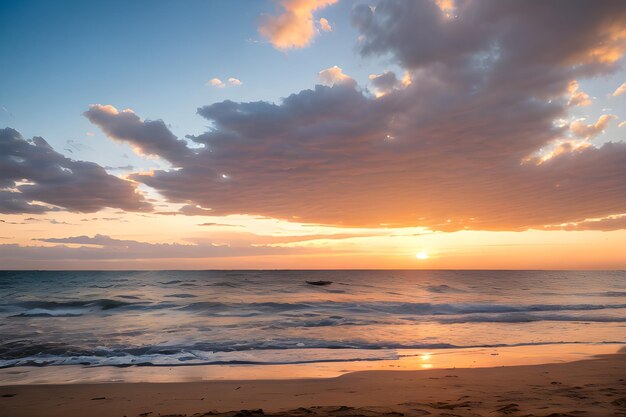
{"x":421,"y":255}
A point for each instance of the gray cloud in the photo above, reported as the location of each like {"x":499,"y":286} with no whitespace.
{"x":188,"y":210}
{"x":457,"y":148}
{"x":322,"y":156}
{"x":149,"y":137}
{"x":100,"y":247}
{"x":31,"y":171}
{"x":384,"y":83}
{"x":518,"y":44}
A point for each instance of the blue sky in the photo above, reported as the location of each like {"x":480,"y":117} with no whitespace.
{"x":153,"y":57}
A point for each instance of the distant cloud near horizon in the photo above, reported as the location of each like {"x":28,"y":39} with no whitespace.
{"x":294,"y":27}
{"x":99,"y":247}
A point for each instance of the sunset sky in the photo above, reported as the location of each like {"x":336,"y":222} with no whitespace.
{"x":312,"y":134}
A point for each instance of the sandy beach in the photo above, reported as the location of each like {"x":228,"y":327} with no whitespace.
{"x":595,"y":387}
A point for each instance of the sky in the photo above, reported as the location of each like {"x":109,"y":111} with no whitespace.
{"x":312,"y":134}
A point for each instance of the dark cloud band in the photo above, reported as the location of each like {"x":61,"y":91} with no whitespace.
{"x":35,"y":177}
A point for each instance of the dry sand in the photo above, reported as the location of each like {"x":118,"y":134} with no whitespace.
{"x":594,"y":387}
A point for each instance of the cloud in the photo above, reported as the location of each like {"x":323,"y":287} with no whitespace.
{"x":34,"y":178}
{"x":101,"y":247}
{"x":77,"y":146}
{"x":320,"y":156}
{"x":577,"y":97}
{"x":517,"y":40}
{"x":334,"y":75}
{"x":588,"y":131}
{"x":608,"y":223}
{"x":232,"y":81}
{"x":147,"y":137}
{"x":188,"y":210}
{"x":120,"y":168}
{"x":324,"y":25}
{"x":51,"y":221}
{"x":213,"y":224}
{"x":619,"y":90}
{"x":294,"y":27}
{"x":469,"y":132}
{"x":216,"y":82}
{"x":384,"y":83}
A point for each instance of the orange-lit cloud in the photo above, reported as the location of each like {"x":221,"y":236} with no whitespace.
{"x":335,"y":75}
{"x":619,"y":90}
{"x":577,"y":97}
{"x":325,"y":25}
{"x":294,"y":27}
{"x":588,"y":131}
{"x":612,"y":222}
{"x":216,"y":82}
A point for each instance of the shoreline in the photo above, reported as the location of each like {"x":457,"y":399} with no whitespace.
{"x":591,"y":387}
{"x":403,"y":359}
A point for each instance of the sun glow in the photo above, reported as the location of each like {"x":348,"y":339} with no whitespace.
{"x":421,"y":255}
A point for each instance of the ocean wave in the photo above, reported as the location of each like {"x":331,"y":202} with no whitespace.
{"x":182,"y":295}
{"x":102,"y":304}
{"x":529,"y":318}
{"x":444,"y":289}
{"x":211,"y":308}
{"x":277,"y":353}
{"x":67,"y":308}
{"x":420,"y":309}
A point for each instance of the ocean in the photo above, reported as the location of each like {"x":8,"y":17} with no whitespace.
{"x":254,"y":318}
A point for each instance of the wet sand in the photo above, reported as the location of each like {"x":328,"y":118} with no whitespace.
{"x":595,"y":387}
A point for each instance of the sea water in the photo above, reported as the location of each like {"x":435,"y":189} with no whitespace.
{"x":254,"y":318}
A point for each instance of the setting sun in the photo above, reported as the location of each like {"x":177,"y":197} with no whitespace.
{"x":421,"y":255}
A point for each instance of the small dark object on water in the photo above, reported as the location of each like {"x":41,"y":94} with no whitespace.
{"x":99,"y":398}
{"x":319,"y":283}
